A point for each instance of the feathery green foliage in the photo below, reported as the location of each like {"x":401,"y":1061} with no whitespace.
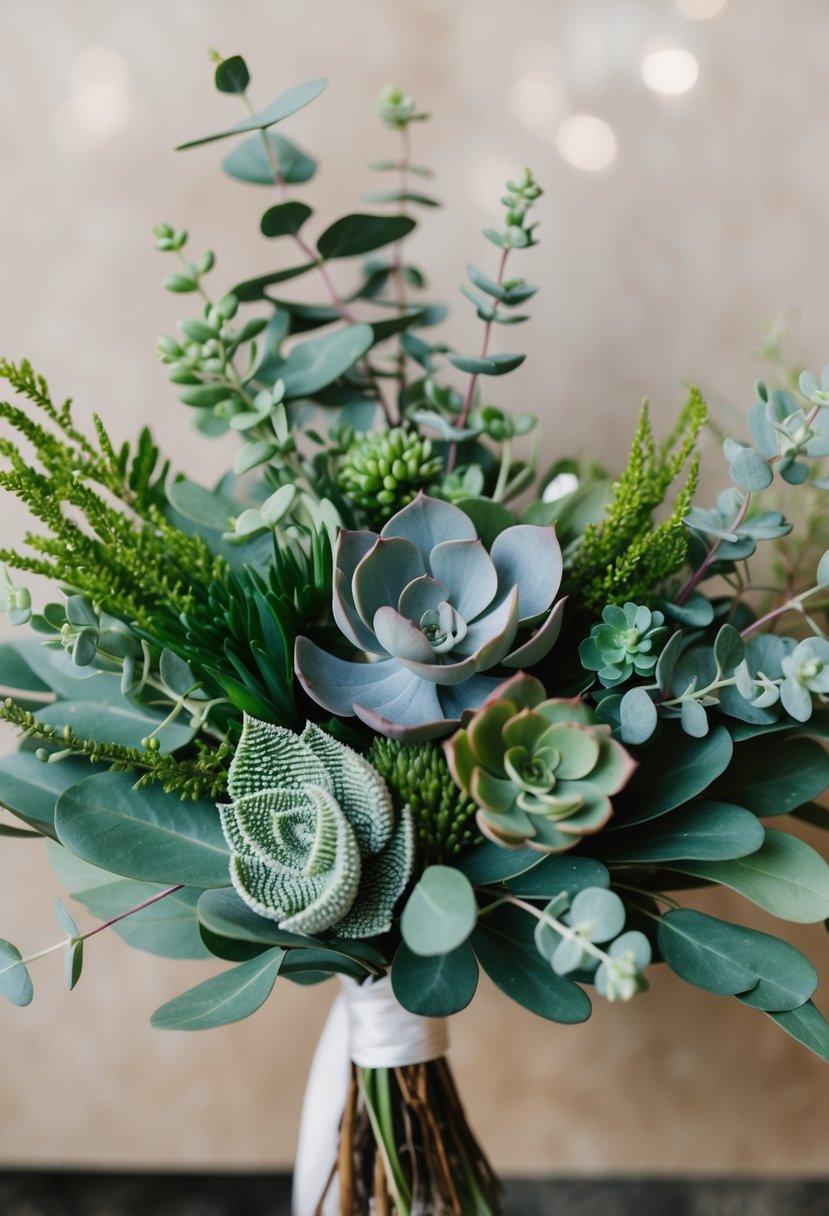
{"x":624,"y":557}
{"x":418,"y":776}
{"x":125,"y":556}
{"x":201,"y":775}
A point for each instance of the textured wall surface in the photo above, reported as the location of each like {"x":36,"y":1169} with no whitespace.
{"x":663,"y":268}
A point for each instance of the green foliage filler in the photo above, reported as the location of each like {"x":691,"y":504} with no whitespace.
{"x":382,"y":471}
{"x":127,"y":557}
{"x":418,"y":776}
{"x":625,"y":557}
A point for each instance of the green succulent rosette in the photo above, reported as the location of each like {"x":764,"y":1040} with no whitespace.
{"x":314,"y":838}
{"x":627,"y":641}
{"x":542,"y":771}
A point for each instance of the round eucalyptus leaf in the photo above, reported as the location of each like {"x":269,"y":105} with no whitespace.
{"x":15,"y":981}
{"x":694,"y":719}
{"x":750,"y":470}
{"x":568,"y":956}
{"x":638,"y":716}
{"x":434,"y":987}
{"x":440,"y":913}
{"x":597,"y":914}
{"x":224,"y":998}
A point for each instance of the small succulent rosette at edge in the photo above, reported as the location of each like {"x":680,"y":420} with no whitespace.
{"x":541,"y":770}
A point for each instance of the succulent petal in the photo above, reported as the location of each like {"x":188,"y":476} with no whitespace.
{"x":382,"y":574}
{"x":468,"y":571}
{"x":428,"y":521}
{"x":400,"y":638}
{"x":528,"y":557}
{"x":350,"y":549}
{"x":420,"y":595}
{"x":336,"y":683}
{"x":539,"y":644}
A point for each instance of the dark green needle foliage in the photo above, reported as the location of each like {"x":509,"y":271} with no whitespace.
{"x":418,"y":776}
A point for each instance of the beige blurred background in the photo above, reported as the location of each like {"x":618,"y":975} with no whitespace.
{"x":674,"y":231}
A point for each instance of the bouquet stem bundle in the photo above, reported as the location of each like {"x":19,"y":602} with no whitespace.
{"x":406,"y":1147}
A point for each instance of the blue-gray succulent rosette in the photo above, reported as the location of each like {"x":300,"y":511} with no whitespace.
{"x":433,"y":613}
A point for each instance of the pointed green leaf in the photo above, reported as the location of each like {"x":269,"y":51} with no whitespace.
{"x":143,"y":833}
{"x":785,"y":876}
{"x":677,"y":770}
{"x":285,"y":219}
{"x":505,"y":947}
{"x":702,"y":829}
{"x":434,"y":987}
{"x":64,"y":919}
{"x":355,"y":234}
{"x":15,"y":981}
{"x":775,"y":780}
{"x":207,"y":508}
{"x":73,"y":963}
{"x":555,"y":875}
{"x":282,"y":107}
{"x":224,"y":998}
{"x":806,"y":1024}
{"x":255,"y":289}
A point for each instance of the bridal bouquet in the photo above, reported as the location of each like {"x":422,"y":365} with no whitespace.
{"x":392,"y":703}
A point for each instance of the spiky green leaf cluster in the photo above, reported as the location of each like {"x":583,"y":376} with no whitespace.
{"x":625,"y":557}
{"x":418,"y":776}
{"x":382,"y":471}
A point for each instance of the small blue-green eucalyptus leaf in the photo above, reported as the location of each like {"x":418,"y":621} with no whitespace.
{"x":729,"y":649}
{"x":621,"y":977}
{"x":751,"y":471}
{"x":224,"y":998}
{"x":440,"y":913}
{"x":176,"y":674}
{"x":73,"y":963}
{"x":697,"y":611}
{"x":444,"y":426}
{"x":822,"y":577}
{"x":207,"y":508}
{"x":317,"y":362}
{"x":794,"y":472}
{"x":667,"y":661}
{"x":278,"y":505}
{"x":355,"y":234}
{"x":489,"y":365}
{"x":569,"y":955}
{"x":15,"y":981}
{"x":252,"y":455}
{"x":79,"y":611}
{"x":597,"y":914}
{"x":282,"y":107}
{"x":638,"y":716}
{"x":547,"y":937}
{"x":250,"y":161}
{"x":64,"y":919}
{"x":694,"y":719}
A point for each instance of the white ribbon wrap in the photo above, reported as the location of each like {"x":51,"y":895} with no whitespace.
{"x":367,"y":1025}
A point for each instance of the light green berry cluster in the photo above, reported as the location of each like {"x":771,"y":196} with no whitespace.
{"x":382,"y":471}
{"x":418,"y":776}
